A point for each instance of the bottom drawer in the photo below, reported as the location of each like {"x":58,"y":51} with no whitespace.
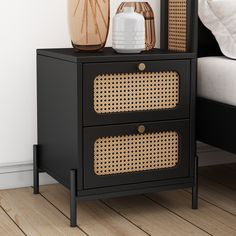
{"x":124,"y":154}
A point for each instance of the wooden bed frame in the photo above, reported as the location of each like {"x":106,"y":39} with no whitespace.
{"x":216,"y":122}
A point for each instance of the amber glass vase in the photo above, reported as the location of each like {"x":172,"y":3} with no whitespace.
{"x":146,"y":10}
{"x":88,"y":23}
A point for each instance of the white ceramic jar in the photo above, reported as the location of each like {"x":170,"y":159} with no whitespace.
{"x":128,"y":33}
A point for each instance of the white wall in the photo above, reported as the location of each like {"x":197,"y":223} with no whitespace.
{"x":24,"y":26}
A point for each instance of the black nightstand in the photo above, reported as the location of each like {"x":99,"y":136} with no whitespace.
{"x":112,"y":125}
{"x":119,"y":124}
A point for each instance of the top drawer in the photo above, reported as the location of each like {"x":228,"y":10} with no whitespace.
{"x":124,"y":92}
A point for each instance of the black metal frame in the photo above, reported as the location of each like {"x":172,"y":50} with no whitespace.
{"x":63,"y":128}
{"x":35,"y":170}
{"x":73,"y":198}
{"x":153,"y":186}
{"x":195,"y":185}
{"x":73,"y":185}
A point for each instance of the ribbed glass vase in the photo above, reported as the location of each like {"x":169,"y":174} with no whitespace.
{"x":144,"y":9}
{"x":88,"y":23}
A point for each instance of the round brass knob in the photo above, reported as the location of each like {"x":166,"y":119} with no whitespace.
{"x":141,"y":66}
{"x":141,"y":129}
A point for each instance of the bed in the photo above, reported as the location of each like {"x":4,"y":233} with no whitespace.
{"x":216,"y":103}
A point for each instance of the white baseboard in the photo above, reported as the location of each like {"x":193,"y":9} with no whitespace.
{"x":18,"y":175}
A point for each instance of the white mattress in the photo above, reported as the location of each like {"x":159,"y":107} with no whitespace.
{"x":217,"y":79}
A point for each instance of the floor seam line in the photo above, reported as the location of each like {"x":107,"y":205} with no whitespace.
{"x":63,"y":213}
{"x":179,"y":215}
{"x":13,"y":221}
{"x":213,"y":204}
{"x":106,"y":204}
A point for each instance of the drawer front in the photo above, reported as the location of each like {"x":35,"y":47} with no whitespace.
{"x":122,"y":154}
{"x":123,"y":93}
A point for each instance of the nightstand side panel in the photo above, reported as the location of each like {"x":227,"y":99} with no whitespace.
{"x":58,"y":116}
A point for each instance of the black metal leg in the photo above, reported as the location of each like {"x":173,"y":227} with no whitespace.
{"x":195,"y":186}
{"x":35,"y":169}
{"x":73,"y":198}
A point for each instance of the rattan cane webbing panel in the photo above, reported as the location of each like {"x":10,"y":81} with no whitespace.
{"x":133,"y":153}
{"x":177,"y":25}
{"x":129,"y":92}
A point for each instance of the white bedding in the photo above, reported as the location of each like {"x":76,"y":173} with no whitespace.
{"x":219,"y":16}
{"x":217,"y":79}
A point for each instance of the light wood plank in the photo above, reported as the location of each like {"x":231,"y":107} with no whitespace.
{"x":7,"y":227}
{"x":94,"y":217}
{"x":217,"y":194}
{"x":208,"y":217}
{"x":34,"y":215}
{"x":153,"y":218}
{"x":220,"y":174}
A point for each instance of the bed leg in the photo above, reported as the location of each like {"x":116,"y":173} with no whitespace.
{"x":195,"y":185}
{"x":73,"y":198}
{"x":35,"y":170}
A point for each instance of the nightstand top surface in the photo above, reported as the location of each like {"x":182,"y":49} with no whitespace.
{"x":109,"y":55}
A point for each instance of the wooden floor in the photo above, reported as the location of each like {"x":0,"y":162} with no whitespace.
{"x":165,"y":213}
